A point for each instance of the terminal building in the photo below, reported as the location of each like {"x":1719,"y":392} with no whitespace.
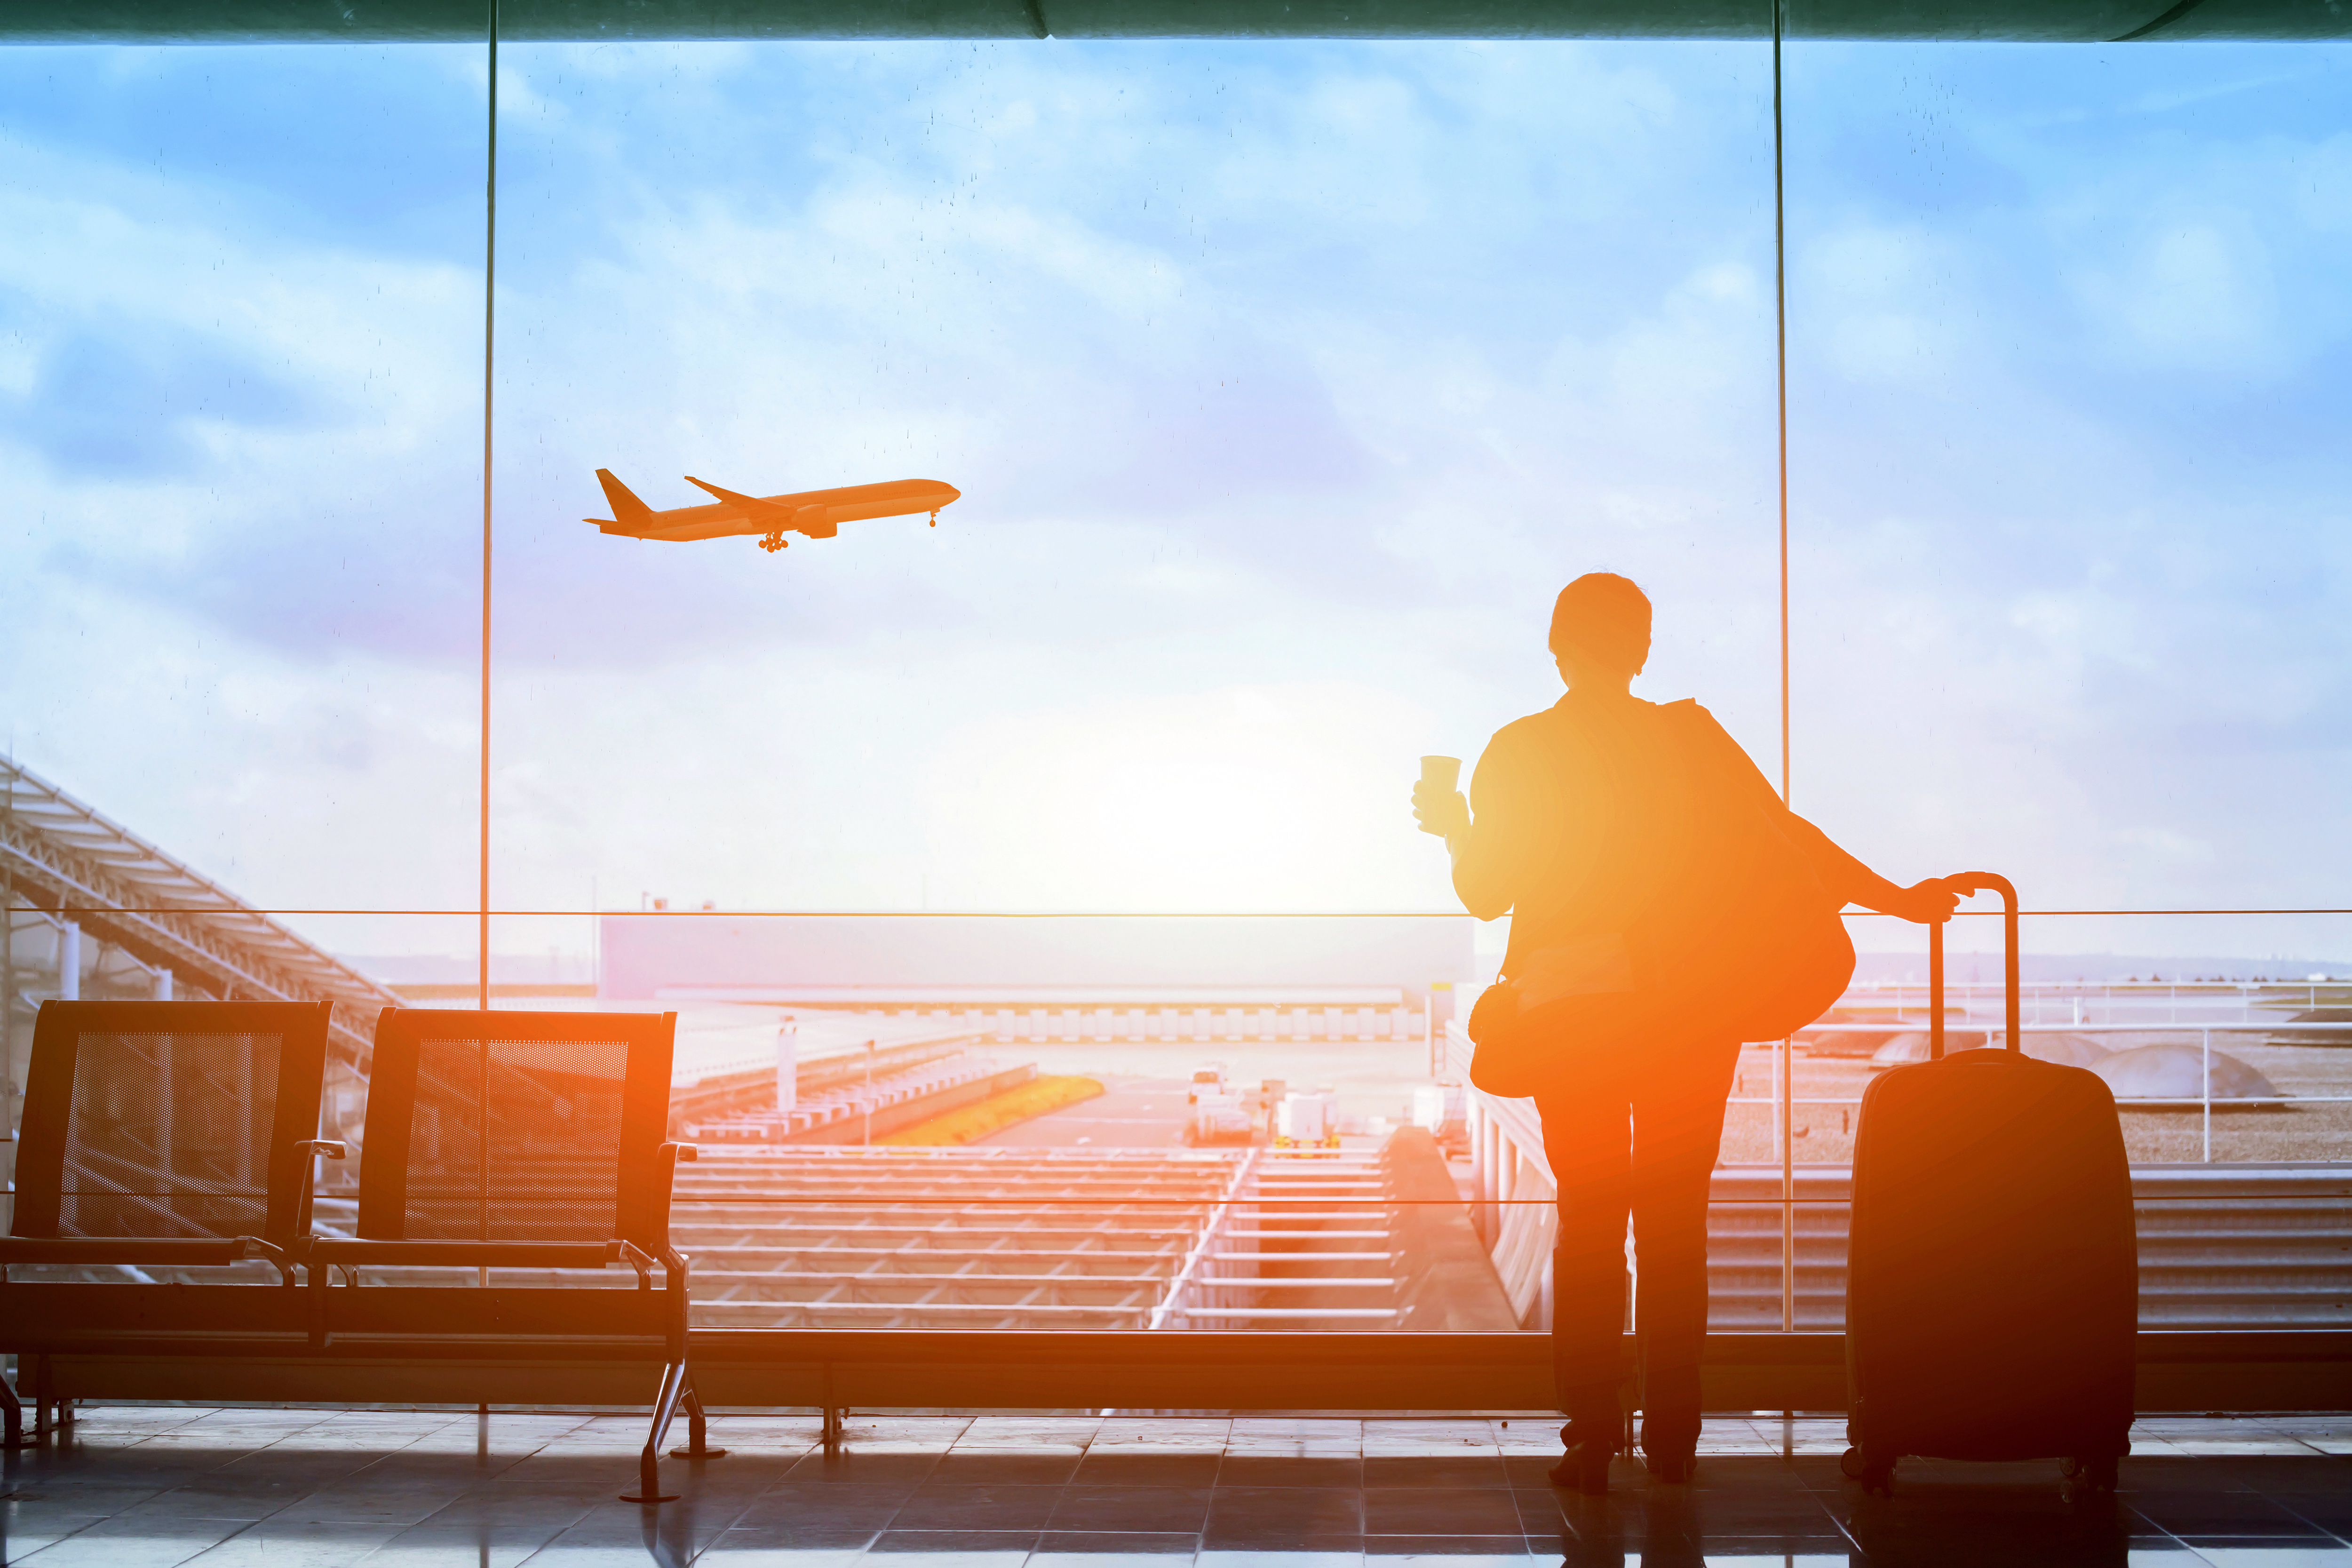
{"x":1148,"y":978}
{"x":1286,"y":356}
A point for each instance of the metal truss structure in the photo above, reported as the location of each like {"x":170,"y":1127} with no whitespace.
{"x":1009,"y":1239}
{"x":922,"y":1238}
{"x":1303,"y":1241}
{"x":67,"y":862}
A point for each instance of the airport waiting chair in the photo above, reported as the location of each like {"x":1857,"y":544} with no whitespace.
{"x":160,"y":1135}
{"x":516,"y":1141}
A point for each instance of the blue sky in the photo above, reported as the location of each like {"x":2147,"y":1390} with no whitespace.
{"x":1285,"y":386}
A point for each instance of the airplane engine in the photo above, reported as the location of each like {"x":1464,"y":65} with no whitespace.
{"x":813,"y":522}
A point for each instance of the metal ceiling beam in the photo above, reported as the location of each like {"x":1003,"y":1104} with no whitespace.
{"x":451,"y":21}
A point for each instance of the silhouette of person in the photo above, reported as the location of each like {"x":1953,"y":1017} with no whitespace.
{"x":1566,"y":838}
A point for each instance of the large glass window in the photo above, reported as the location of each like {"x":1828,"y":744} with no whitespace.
{"x":1037,"y":892}
{"x":243,"y":338}
{"x":240,"y":349}
{"x":1285,"y":385}
{"x":1281,"y":383}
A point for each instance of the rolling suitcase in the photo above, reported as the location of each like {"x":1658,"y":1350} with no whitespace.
{"x":1992,"y":1276}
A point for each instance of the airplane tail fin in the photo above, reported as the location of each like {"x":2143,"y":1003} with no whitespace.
{"x":627,"y":509}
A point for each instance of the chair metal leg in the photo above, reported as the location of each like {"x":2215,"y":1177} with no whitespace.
{"x":832,"y":1423}
{"x":648,"y":1492}
{"x":12,"y":1410}
{"x":666,"y":1403}
{"x":697,"y":1429}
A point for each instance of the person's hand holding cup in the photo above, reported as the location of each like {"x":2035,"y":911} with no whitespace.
{"x":1437,"y":800}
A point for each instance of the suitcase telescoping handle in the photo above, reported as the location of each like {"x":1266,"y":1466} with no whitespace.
{"x":1966,"y":885}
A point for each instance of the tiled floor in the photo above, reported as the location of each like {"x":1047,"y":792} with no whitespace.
{"x":148,"y":1488}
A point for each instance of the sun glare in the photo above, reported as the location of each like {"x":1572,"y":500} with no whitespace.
{"x":1240,"y":798}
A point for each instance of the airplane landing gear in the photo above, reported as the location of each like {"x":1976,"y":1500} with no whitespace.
{"x":774,"y":542}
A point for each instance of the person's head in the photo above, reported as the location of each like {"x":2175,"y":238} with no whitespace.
{"x":1601,"y":630}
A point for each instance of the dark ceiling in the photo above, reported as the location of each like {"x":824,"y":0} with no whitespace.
{"x":378,"y":21}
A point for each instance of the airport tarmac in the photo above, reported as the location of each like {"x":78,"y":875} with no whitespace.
{"x":1377,"y":1078}
{"x":1132,"y":1112}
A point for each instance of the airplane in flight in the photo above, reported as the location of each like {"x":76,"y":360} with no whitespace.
{"x":818,"y":514}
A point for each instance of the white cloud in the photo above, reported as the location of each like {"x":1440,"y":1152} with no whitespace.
{"x":2195,"y":291}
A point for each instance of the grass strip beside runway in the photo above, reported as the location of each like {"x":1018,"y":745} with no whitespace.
{"x":998,"y":1112}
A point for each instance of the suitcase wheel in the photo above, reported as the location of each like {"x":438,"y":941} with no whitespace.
{"x":2090,"y":1478}
{"x":1877,"y":1476}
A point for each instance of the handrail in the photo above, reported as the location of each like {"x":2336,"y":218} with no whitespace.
{"x":2302,"y":1369}
{"x":1496,"y":1123}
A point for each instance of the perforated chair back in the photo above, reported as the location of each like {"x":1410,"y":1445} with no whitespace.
{"x":163,"y":1120}
{"x":517,"y":1127}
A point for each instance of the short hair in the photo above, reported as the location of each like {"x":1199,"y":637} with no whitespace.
{"x":1605,"y":618}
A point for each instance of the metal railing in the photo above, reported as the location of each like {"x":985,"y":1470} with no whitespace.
{"x":1512,"y":1190}
{"x":1204,"y":1265}
{"x":2120,"y":1001}
{"x":2204,"y":1102}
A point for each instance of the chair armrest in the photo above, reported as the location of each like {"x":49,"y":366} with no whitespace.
{"x":333,"y":1149}
{"x":656,"y":1229}
{"x":343,"y":1252}
{"x":277,"y":1257}
{"x":186,"y":1252}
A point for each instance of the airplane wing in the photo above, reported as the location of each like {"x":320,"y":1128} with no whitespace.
{"x":752,"y":507}
{"x":774,"y":516}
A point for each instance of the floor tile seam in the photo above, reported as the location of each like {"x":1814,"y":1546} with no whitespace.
{"x":95,"y":1521}
{"x":145,"y":1438}
{"x":421,"y":1437}
{"x":400,"y":1534}
{"x":2341,"y":1537}
{"x":476,"y":1479}
{"x":1845,"y":1529}
{"x":347,"y":1475}
{"x":2159,"y":1529}
{"x":242,"y":1526}
{"x":2194,"y":1556}
{"x":533,"y":1556}
{"x":743,"y":1508}
{"x":321,"y":1417}
{"x":587,"y":1505}
{"x":551,"y":1441}
{"x":233,"y":1458}
{"x":148,"y":1495}
{"x":273,"y":1513}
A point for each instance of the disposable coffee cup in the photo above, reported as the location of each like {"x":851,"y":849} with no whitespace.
{"x":1442,"y":774}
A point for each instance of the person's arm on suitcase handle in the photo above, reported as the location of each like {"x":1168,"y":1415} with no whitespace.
{"x":1852,"y":882}
{"x":1925,"y":903}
